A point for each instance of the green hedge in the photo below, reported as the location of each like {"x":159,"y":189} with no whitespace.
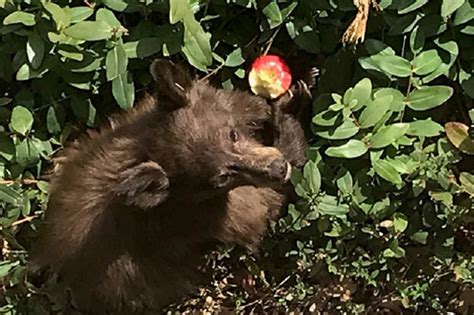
{"x":385,"y":218}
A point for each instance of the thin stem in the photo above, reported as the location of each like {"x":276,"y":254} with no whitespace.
{"x":270,"y":41}
{"x":26,"y":219}
{"x":21,"y":182}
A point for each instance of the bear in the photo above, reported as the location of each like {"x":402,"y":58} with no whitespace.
{"x":133,"y":207}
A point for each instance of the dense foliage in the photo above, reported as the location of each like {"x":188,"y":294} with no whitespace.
{"x":385,"y":218}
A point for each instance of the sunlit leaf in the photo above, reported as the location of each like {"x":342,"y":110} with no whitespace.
{"x":352,"y":149}
{"x":388,"y":135}
{"x":90,"y":30}
{"x":428,"y":97}
{"x":21,"y":120}
{"x":123,"y":90}
{"x":24,"y":18}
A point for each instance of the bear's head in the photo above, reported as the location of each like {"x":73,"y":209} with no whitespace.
{"x":211,"y":140}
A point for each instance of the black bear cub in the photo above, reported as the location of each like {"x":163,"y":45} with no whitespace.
{"x":132,"y":207}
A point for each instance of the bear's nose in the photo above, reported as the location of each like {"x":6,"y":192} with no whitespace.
{"x":280,"y":169}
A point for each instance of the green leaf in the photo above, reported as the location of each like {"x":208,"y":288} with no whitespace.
{"x":467,"y":182}
{"x":352,"y":149}
{"x":273,"y":14}
{"x":7,"y":149}
{"x":78,"y":14}
{"x":419,"y":237}
{"x":397,"y":98}
{"x":60,"y":17}
{"x":452,"y":48}
{"x":404,"y":24}
{"x":10,"y":195}
{"x":108,"y":17}
{"x":178,"y":10}
{"x":458,"y":135}
{"x":313,"y":177}
{"x":288,"y":10}
{"x":400,"y":222}
{"x":5,"y":101}
{"x":425,"y":128}
{"x":374,"y":111}
{"x":417,"y":40}
{"x":426,"y":62}
{"x":346,"y":130}
{"x":409,"y":6}
{"x":329,"y":205}
{"x":401,"y":165}
{"x":448,"y":7}
{"x":118,"y":5}
{"x":388,"y":135}
{"x":464,"y":14}
{"x":362,"y":91}
{"x":24,"y":18}
{"x":444,"y":197}
{"x":197,"y":46}
{"x":428,"y":97}
{"x":326,"y":118}
{"x":345,"y":183}
{"x":394,"y":251}
{"x":6,"y":267}
{"x":116,"y":62}
{"x":374,"y":47}
{"x":26,"y":73}
{"x":21,"y":120}
{"x":35,"y":50}
{"x":385,"y":170}
{"x":43,"y":186}
{"x":467,"y":83}
{"x":52,"y":121}
{"x":90,"y":30}
{"x":468,"y":29}
{"x":123,"y":90}
{"x":235,"y":58}
{"x":26,"y":153}
{"x":72,"y":55}
{"x":393,"y":65}
{"x":84,"y":110}
{"x":142,"y":48}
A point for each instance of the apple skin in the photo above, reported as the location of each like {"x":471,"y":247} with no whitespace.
{"x":269,"y":76}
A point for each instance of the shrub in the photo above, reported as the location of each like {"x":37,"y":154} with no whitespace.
{"x":385,"y":216}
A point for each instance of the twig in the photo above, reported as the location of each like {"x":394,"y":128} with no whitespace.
{"x":90,"y":5}
{"x":266,"y":295}
{"x":251,"y":41}
{"x":213,"y":72}
{"x":21,"y":181}
{"x":49,"y":104}
{"x":26,"y":219}
{"x":270,"y":41}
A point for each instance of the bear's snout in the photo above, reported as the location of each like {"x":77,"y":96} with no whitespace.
{"x":280,"y":169}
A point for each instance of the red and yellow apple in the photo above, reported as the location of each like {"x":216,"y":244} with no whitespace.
{"x":269,"y":76}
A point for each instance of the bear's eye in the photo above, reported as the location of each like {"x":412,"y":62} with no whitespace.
{"x":234,"y":136}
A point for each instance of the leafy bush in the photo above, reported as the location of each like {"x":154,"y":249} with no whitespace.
{"x":385,"y":218}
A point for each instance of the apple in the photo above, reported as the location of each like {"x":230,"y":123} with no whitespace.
{"x":269,"y":76}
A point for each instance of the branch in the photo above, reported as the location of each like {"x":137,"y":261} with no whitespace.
{"x":26,"y":219}
{"x":356,"y":30}
{"x":21,"y":181}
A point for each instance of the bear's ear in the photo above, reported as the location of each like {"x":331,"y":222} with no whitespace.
{"x":172,"y":83}
{"x":145,"y":185}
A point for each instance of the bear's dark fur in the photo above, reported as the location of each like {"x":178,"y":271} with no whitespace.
{"x":132,"y":207}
